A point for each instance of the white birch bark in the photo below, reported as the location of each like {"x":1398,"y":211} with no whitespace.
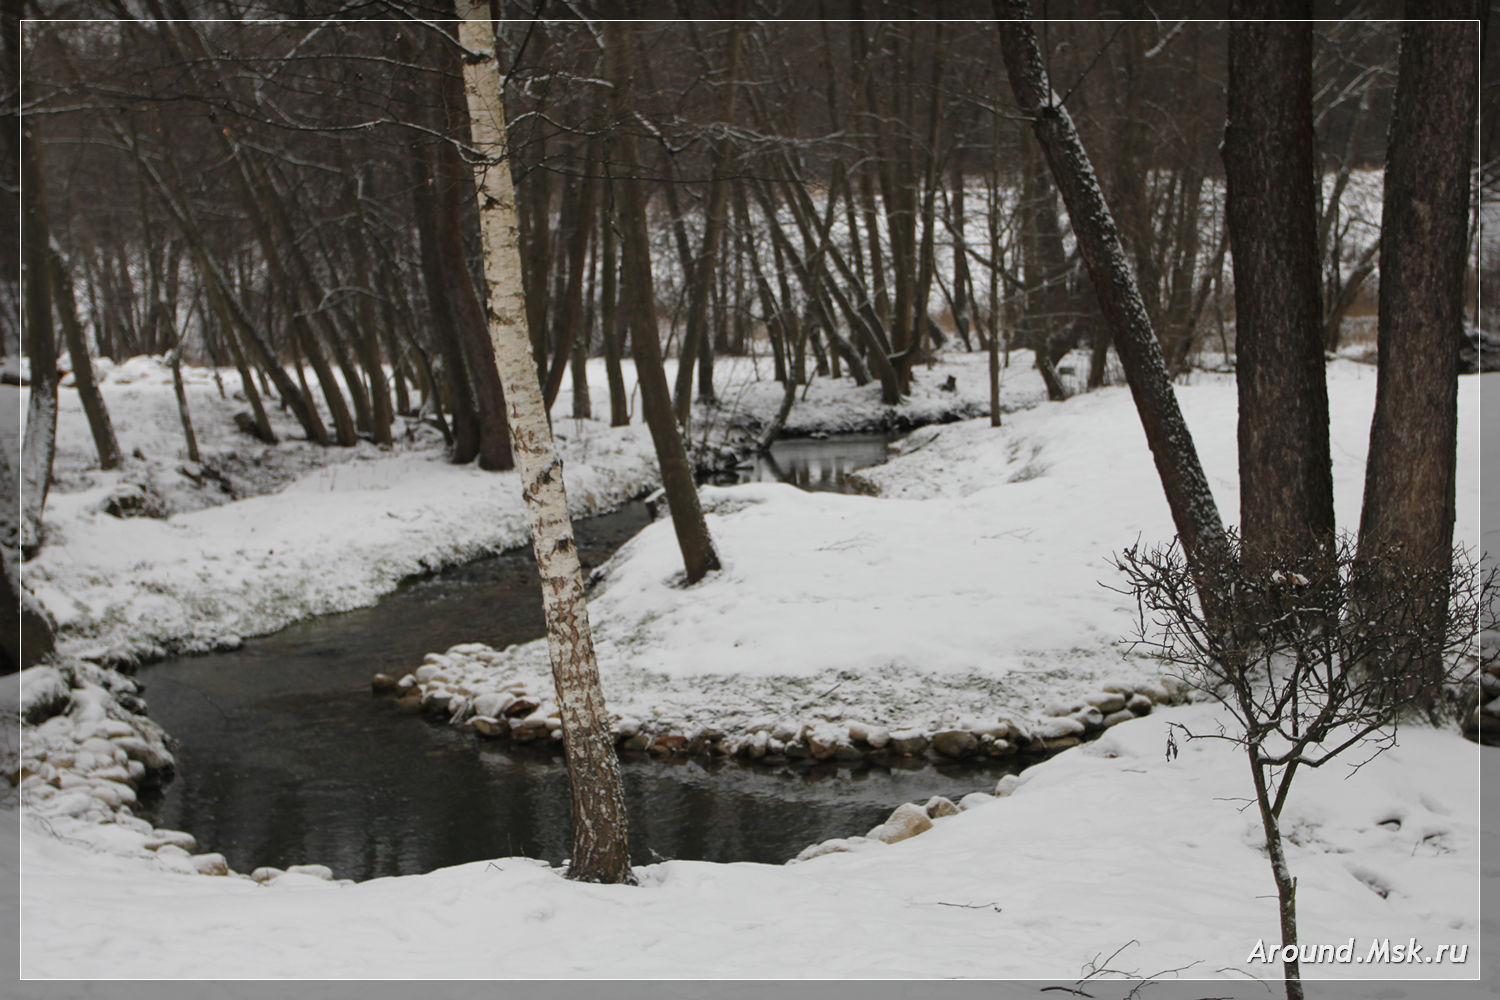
{"x":600,"y":851}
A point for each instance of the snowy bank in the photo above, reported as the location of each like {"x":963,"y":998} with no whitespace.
{"x":334,"y":539}
{"x":971,"y":587}
{"x":978,"y":583}
{"x":255,"y":537}
{"x":1102,"y":846}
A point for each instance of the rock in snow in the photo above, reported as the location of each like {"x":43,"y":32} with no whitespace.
{"x":908,"y":820}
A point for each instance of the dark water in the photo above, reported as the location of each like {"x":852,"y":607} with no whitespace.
{"x":822,"y":464}
{"x":286,"y":758}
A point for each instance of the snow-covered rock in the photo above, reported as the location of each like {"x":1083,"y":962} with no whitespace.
{"x":906,"y":821}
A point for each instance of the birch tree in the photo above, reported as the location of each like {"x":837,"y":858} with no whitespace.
{"x":600,"y":848}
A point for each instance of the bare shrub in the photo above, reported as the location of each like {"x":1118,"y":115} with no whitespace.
{"x":1310,"y":663}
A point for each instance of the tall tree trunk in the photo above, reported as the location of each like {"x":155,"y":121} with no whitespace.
{"x":1045,"y":266}
{"x":40,"y":344}
{"x":927,"y":253}
{"x":963,"y":295}
{"x":1194,"y":512}
{"x":576,"y":231}
{"x":695,"y":340}
{"x":265,"y":206}
{"x":697,"y":546}
{"x":341,"y":333}
{"x":536,"y":243}
{"x":263,"y":429}
{"x":601,"y":850}
{"x":174,"y":359}
{"x":1180,"y":317}
{"x":441,"y":304}
{"x":1286,"y":477}
{"x":366,"y":332}
{"x":994,"y":204}
{"x":368,"y":346}
{"x":105,"y":443}
{"x":453,"y":186}
{"x":1407,"y":521}
{"x":583,"y":407}
{"x":611,"y":316}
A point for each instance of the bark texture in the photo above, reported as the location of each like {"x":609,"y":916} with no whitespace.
{"x":453,"y":184}
{"x":600,"y":847}
{"x":1407,"y":520}
{"x":1286,"y":477}
{"x":1194,"y":512}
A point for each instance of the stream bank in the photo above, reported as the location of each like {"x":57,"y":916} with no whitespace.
{"x":283,"y":757}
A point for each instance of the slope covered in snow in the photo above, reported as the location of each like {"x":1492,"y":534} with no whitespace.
{"x":972,"y":584}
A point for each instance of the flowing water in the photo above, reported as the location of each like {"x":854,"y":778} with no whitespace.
{"x":286,"y":758}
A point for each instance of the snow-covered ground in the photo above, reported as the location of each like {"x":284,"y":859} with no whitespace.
{"x":1104,"y":845}
{"x":327,"y":529}
{"x":977,"y":583}
{"x":972,"y":585}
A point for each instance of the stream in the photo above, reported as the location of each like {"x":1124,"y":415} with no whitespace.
{"x":286,"y":758}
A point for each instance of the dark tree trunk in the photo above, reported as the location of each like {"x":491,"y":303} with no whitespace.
{"x":340,"y":334}
{"x":1286,"y":477}
{"x":455,"y":190}
{"x":1194,"y":512}
{"x":693,"y":539}
{"x":368,"y":346}
{"x":611,"y":317}
{"x":962,"y":295}
{"x":1180,"y":314}
{"x":262,"y":421}
{"x":695,"y":341}
{"x":263,"y":204}
{"x":577,"y":230}
{"x":536,"y":243}
{"x":1407,"y":521}
{"x":40,"y":344}
{"x":1045,"y":265}
{"x":923,"y":326}
{"x":103,"y":431}
{"x":183,"y":414}
{"x":444,"y":320}
{"x":578,"y":364}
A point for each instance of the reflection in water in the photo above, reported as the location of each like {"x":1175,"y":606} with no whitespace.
{"x":286,"y":758}
{"x":821,"y":464}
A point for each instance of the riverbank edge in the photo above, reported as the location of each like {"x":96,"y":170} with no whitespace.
{"x":88,"y":747}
